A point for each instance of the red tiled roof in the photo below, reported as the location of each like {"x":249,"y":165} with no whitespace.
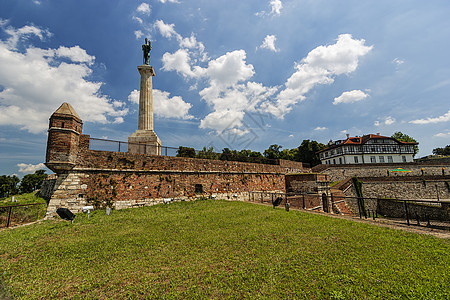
{"x":362,"y":140}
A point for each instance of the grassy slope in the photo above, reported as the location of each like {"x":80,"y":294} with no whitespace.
{"x":220,"y":249}
{"x":22,"y":214}
{"x":23,"y":199}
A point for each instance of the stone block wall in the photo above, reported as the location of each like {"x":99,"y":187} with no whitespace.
{"x":396,"y":209}
{"x":417,"y":187}
{"x":340,"y":172}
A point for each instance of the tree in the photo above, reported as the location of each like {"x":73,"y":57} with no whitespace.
{"x":399,"y":136}
{"x":32,"y":182}
{"x":8,"y":185}
{"x":273,"y":152}
{"x":289,"y":154}
{"x":185,"y":152}
{"x":207,"y":153}
{"x":442,"y":151}
{"x":307,"y":152}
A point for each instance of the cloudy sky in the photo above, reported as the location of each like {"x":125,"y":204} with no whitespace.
{"x":236,"y":74}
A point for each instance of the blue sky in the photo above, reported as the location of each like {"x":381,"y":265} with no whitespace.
{"x":236,"y":74}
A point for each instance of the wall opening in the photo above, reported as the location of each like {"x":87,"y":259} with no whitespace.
{"x":198,"y":188}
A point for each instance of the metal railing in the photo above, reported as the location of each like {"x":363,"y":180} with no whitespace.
{"x":419,"y":212}
{"x":21,"y":213}
{"x":119,"y":146}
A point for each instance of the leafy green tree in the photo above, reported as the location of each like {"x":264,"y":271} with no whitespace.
{"x":399,"y":136}
{"x":228,"y":154}
{"x":186,"y":152}
{"x":442,"y":151}
{"x":8,"y":185}
{"x":307,"y":152}
{"x":289,"y":154}
{"x":32,"y":182}
{"x":273,"y":152}
{"x":208,"y":153}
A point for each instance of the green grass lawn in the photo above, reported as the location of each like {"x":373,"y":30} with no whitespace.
{"x":22,"y":214}
{"x":220,"y":249}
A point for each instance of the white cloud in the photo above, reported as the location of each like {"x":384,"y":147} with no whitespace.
{"x":165,"y":106}
{"x":22,"y":34}
{"x":269,"y":43}
{"x":169,"y":1}
{"x":320,"y":128}
{"x":138,"y":34}
{"x":221,"y":120}
{"x":350,"y":97}
{"x":443,"y":134}
{"x":229,"y":90}
{"x":30,"y":168}
{"x":440,"y":119}
{"x":389,"y":121}
{"x":118,"y":120}
{"x":137,"y":19}
{"x":276,"y":6}
{"x":144,"y":8}
{"x":75,"y":54}
{"x":230,"y":93}
{"x":386,"y":121}
{"x":37,"y":81}
{"x":320,"y":66}
{"x":37,"y":2}
{"x":133,"y":97}
{"x":180,"y":62}
{"x":168,"y":31}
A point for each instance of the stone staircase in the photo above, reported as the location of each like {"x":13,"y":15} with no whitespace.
{"x":337,"y":192}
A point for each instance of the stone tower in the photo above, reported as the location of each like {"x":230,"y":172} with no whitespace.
{"x":144,"y":140}
{"x":63,"y":138}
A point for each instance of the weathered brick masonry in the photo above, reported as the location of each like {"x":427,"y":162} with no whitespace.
{"x":121,"y":180}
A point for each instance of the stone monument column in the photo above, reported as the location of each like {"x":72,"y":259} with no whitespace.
{"x":144,"y":140}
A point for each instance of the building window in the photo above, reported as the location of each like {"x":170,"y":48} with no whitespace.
{"x":390,"y":159}
{"x":334,"y":161}
{"x":356,"y":159}
{"x":373,"y":159}
{"x":403,"y":158}
{"x":381,"y":159}
{"x":340,"y":160}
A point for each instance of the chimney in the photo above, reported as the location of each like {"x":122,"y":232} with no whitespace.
{"x":378,"y":133}
{"x":348,"y":135}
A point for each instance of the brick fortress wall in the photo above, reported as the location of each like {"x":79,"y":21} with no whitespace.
{"x":122,"y":180}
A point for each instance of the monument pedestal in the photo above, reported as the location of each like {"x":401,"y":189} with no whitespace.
{"x":144,"y":142}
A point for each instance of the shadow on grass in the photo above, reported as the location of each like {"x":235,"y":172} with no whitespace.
{"x":4,"y":295}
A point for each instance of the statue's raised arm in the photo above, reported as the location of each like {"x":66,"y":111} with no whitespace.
{"x":146,"y":49}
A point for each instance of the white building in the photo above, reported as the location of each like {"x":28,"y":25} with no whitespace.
{"x":371,"y":148}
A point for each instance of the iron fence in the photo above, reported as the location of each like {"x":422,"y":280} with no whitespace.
{"x":11,"y":215}
{"x":417,"y":212}
{"x":118,"y":146}
{"x":420,"y":212}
